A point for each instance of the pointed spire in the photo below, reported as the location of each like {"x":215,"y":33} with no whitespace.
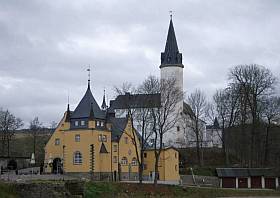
{"x":68,"y":114}
{"x":171,"y":54}
{"x":104,"y":105}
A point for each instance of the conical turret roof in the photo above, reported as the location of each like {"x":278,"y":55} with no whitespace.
{"x":171,"y":54}
{"x":86,"y":105}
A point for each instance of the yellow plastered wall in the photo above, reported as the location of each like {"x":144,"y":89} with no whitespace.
{"x":168,"y":164}
{"x":68,"y":146}
{"x":127,"y":148}
{"x":102,"y":161}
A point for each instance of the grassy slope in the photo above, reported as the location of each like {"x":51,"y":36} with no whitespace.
{"x":7,"y":191}
{"x":147,"y":190}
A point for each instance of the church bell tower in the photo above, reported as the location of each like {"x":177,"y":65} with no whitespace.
{"x":171,"y":61}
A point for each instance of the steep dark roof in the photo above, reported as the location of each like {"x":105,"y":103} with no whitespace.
{"x":187,"y":110}
{"x":84,"y":107}
{"x":171,"y":54}
{"x":214,"y":126}
{"x":104,"y":105}
{"x":68,"y":114}
{"x":246,"y":172}
{"x":103,"y":148}
{"x":135,"y":101}
{"x":118,"y":126}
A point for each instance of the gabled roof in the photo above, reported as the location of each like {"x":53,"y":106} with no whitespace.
{"x":246,"y":172}
{"x":135,"y":101}
{"x":103,"y":148}
{"x":84,"y":107}
{"x":118,"y":126}
{"x":171,"y":54}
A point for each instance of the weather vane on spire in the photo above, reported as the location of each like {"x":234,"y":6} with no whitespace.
{"x":88,"y":70}
{"x":170,"y":13}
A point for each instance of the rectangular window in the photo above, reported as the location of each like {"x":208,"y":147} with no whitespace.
{"x":57,"y":141}
{"x":77,"y":138}
{"x":100,"y":138}
{"x":126,"y":140}
{"x":104,"y":138}
{"x":115,"y":159}
{"x":83,"y":123}
{"x":97,"y":123}
{"x":102,"y":124}
{"x":145,"y":155}
{"x":115,"y":148}
{"x":76,"y":123}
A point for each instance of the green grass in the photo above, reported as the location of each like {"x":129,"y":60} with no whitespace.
{"x":100,"y":189}
{"x":7,"y":191}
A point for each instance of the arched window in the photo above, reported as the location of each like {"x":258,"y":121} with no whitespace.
{"x":124,"y":161}
{"x":78,"y":159}
{"x":134,"y":161}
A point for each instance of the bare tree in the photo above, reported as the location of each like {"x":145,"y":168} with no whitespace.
{"x":165,"y":116}
{"x":271,"y":114}
{"x":198,"y":104}
{"x":254,"y":82}
{"x":8,"y":124}
{"x":132,"y":111}
{"x":225,"y":104}
{"x":35,"y":126}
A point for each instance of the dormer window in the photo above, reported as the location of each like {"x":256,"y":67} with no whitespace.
{"x":83,"y":123}
{"x":102,"y":124}
{"x":97,"y":123}
{"x":76,"y":123}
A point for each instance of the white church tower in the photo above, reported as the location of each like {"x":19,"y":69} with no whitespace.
{"x":172,"y":67}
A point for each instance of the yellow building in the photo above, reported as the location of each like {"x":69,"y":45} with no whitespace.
{"x":168,"y":165}
{"x":91,"y":142}
{"x":94,"y":142}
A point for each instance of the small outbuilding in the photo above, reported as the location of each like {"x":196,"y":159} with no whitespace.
{"x":248,"y":178}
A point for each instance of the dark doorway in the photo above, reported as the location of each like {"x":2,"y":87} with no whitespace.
{"x":228,"y":182}
{"x":256,"y":182}
{"x":242,"y":183}
{"x":115,"y":175}
{"x":270,"y":183}
{"x":12,"y":164}
{"x":57,"y":166}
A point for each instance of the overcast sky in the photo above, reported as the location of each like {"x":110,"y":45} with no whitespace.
{"x":46,"y":46}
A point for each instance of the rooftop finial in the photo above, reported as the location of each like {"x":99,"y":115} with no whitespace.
{"x":170,"y":13}
{"x":88,"y":70}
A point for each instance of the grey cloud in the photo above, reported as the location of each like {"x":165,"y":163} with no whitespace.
{"x":46,"y":46}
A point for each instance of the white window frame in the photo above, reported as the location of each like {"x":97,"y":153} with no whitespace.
{"x":77,"y":138}
{"x":76,"y":123}
{"x":77,"y":158}
{"x":104,"y":138}
{"x":57,"y":141}
{"x":83,"y":123}
{"x":134,"y":161}
{"x":124,"y":161}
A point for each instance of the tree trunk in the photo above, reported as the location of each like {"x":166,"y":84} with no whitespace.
{"x":266,"y":146}
{"x":156,"y":169}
